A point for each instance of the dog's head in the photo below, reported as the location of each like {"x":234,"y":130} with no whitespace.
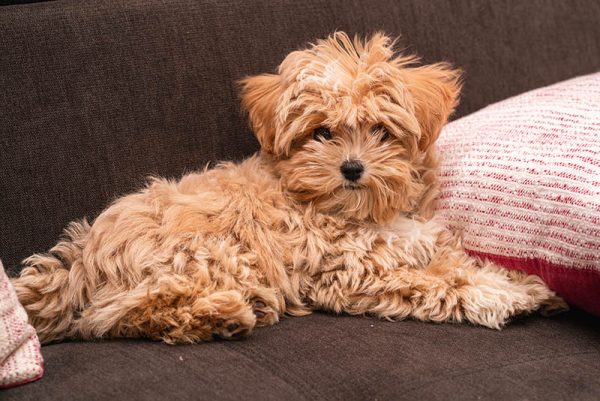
{"x":350,"y":125}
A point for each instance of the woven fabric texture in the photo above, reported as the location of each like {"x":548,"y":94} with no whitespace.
{"x":338,"y":358}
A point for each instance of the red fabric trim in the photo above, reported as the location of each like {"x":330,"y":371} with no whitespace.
{"x":580,"y":287}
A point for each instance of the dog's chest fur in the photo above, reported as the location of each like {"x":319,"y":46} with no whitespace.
{"x":246,"y":204}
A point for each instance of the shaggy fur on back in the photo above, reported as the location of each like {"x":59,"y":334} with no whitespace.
{"x":334,"y":213}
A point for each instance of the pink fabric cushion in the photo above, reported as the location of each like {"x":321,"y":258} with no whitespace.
{"x":521,"y":180}
{"x":20,"y":357}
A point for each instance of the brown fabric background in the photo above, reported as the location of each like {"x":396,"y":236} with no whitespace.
{"x":95,"y":95}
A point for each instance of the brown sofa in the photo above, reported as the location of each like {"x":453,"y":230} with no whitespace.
{"x":95,"y":95}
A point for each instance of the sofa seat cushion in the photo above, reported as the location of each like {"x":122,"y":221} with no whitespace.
{"x":323,"y":357}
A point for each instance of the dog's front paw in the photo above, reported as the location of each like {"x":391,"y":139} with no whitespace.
{"x":489,"y":309}
{"x":493,"y":307}
{"x":231,"y":329}
{"x":265,"y":314}
{"x":234,"y":324}
{"x":265,"y":304}
{"x":553,"y":306}
{"x":541,"y":298}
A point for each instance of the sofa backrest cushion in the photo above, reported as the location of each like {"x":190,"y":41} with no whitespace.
{"x":95,"y":95}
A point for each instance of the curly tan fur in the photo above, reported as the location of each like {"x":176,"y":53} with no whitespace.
{"x":224,"y":250}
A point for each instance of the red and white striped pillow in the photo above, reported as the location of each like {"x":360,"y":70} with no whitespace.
{"x":521,"y":180}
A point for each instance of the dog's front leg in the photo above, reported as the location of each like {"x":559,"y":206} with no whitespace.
{"x":452,"y":288}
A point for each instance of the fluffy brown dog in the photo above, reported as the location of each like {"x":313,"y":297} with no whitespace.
{"x":334,"y":213}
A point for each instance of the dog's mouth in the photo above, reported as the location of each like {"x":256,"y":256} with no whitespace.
{"x":353,"y":187}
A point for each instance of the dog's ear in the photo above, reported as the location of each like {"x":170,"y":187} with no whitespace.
{"x":435,"y":89}
{"x":259,"y":98}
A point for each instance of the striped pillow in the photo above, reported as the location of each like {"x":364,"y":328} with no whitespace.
{"x":20,"y":356}
{"x":521,"y":180}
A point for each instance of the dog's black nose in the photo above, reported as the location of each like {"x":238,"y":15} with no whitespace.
{"x":352,"y":169}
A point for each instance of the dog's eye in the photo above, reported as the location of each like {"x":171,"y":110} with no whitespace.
{"x":382,"y":131}
{"x":322,"y":134}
